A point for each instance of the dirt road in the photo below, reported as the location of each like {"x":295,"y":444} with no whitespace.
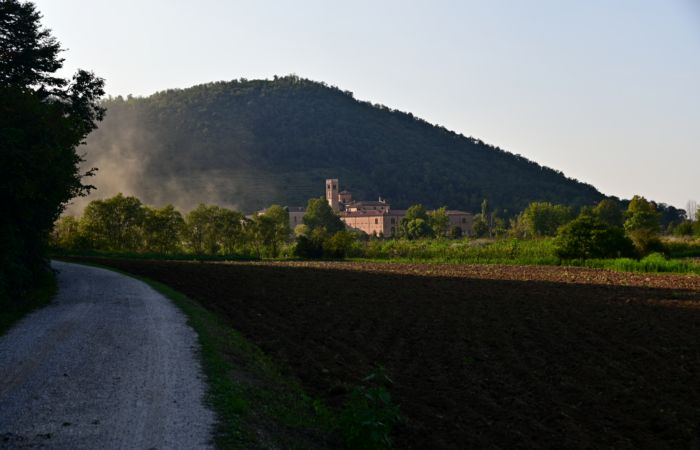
{"x":109,"y":364}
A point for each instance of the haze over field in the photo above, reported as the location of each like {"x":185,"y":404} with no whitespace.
{"x":606,"y":92}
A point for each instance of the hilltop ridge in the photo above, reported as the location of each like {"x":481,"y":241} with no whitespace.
{"x":250,"y":143}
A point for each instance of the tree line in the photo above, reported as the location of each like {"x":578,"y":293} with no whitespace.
{"x":605,"y":230}
{"x":124,"y":224}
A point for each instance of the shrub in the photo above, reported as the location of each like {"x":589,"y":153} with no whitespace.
{"x":308,"y":248}
{"x":369,"y":414}
{"x":684,"y":228}
{"x":589,"y":237}
{"x":339,"y":245}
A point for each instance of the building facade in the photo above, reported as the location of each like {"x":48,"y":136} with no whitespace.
{"x":377,"y":218}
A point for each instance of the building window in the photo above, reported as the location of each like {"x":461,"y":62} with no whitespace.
{"x":393,"y":220}
{"x":295,"y":219}
{"x":376,"y":221}
{"x":464,"y":220}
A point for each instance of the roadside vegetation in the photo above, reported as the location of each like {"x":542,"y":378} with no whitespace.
{"x":43,"y":121}
{"x":643,"y":237}
{"x":12,"y":310}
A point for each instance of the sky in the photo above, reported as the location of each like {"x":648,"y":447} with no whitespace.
{"x":606,"y":91}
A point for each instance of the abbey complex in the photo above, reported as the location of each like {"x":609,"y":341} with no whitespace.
{"x":373,"y":217}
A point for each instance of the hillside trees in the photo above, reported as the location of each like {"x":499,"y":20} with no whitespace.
{"x":43,"y":119}
{"x":283,"y":129}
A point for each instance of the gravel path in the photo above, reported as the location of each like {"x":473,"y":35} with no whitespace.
{"x":109,"y":364}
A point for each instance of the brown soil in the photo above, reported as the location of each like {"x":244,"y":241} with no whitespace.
{"x":481,"y":356}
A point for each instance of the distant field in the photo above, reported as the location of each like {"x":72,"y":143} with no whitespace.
{"x":481,"y":356}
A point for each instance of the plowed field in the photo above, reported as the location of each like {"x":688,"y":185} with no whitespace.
{"x":481,"y":356}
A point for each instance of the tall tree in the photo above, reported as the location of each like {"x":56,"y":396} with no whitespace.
{"x":43,"y":119}
{"x":643,"y":224}
{"x":270,"y":230}
{"x":542,"y":219}
{"x":29,"y":55}
{"x":416,"y":223}
{"x":115,"y":223}
{"x":609,"y":212}
{"x":162,"y":229}
{"x":320,"y":215}
{"x":439,"y":221}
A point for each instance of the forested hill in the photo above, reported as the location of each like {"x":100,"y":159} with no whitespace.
{"x":252,"y":143}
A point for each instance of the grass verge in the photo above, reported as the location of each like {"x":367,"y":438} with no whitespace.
{"x":258,"y":405}
{"x":11,"y":311}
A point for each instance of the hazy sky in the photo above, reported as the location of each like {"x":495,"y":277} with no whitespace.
{"x":607,"y":91}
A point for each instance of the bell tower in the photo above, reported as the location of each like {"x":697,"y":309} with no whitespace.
{"x":332,"y":193}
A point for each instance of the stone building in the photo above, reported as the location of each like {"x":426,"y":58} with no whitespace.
{"x":296,"y":214}
{"x":372,"y":217}
{"x":377,"y":217}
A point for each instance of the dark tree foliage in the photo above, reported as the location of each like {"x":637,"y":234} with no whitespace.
{"x":416,"y":224}
{"x":28,"y":53}
{"x":320,"y":215}
{"x":43,"y":119}
{"x":275,"y":141}
{"x":670,"y":216}
{"x":608,"y":211}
